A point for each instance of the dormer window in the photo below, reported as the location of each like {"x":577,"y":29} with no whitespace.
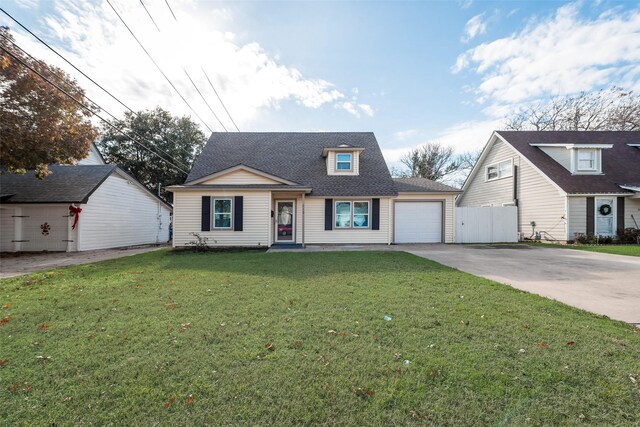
{"x":344,"y":162}
{"x":587,"y":160}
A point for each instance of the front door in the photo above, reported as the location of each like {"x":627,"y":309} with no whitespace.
{"x":605,"y":217}
{"x":285,"y":221}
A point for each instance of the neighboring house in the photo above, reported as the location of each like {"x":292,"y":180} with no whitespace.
{"x":260,"y":189}
{"x":563,"y":183}
{"x":37,"y":215}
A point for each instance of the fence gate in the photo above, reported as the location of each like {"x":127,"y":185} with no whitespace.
{"x":487,"y":225}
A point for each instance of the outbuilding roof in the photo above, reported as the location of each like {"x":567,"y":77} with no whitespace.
{"x":297,"y":157}
{"x":422,"y":185}
{"x":620,"y":164}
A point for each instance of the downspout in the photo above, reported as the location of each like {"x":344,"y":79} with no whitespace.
{"x":516,"y":202}
{"x":303,"y":244}
{"x":159,"y":217}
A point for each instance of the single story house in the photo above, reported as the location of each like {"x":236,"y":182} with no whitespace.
{"x":260,"y":189}
{"x":563,"y":183}
{"x":91,"y":205}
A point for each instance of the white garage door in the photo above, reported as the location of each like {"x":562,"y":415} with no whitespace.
{"x":45,"y":228}
{"x":418,"y":222}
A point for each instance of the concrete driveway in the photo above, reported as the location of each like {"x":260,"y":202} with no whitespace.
{"x":17,"y":264}
{"x":600,"y":283}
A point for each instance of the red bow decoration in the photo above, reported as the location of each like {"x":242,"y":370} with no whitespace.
{"x":74,"y":210}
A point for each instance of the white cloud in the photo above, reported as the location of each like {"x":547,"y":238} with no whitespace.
{"x":249,"y":79}
{"x":474,"y":27}
{"x":561,"y":54}
{"x":352,"y":107}
{"x":28,"y":4}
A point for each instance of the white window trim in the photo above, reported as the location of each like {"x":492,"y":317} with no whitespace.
{"x":497,"y":166}
{"x":213,"y":213}
{"x":352,"y":225}
{"x":344,"y":161}
{"x":594,"y":152}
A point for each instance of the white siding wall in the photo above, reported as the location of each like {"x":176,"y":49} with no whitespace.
{"x":631,"y":207}
{"x":119,"y":213}
{"x":481,"y":192}
{"x":331,"y":164}
{"x":6,"y":229}
{"x":577,"y":215}
{"x":93,"y":158}
{"x":449,"y":210}
{"x":315,"y":232}
{"x":560,"y":155}
{"x":187,"y":216}
{"x":240,"y":177}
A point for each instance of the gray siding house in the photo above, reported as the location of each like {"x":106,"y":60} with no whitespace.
{"x":563,"y":183}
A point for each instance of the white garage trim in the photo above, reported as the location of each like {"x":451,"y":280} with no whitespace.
{"x":442,"y":216}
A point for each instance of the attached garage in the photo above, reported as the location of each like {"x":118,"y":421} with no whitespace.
{"x":418,"y":222}
{"x":423,"y":212}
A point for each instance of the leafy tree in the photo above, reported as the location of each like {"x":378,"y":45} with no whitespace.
{"x":39,"y":125}
{"x":607,"y":109}
{"x":179,"y":140}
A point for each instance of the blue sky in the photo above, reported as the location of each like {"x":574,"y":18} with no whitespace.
{"x":411,"y":72}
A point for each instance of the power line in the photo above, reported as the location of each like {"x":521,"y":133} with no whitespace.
{"x":158,"y":67}
{"x":150,"y":17}
{"x":193,"y":83}
{"x":95,"y":103}
{"x":220,"y":99}
{"x":205,"y":101}
{"x":171,"y":10}
{"x":81,"y":105}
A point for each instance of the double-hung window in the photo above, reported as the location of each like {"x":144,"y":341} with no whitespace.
{"x":586,"y":160}
{"x":352,"y":214}
{"x":499,"y":170}
{"x":343,"y":161}
{"x":222,"y":213}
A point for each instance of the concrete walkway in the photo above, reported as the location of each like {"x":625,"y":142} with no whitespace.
{"x":17,"y":264}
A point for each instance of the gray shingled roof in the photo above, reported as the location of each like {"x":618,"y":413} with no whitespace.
{"x":620,"y":164}
{"x":297,"y":157}
{"x":422,"y":185}
{"x":65,"y":184}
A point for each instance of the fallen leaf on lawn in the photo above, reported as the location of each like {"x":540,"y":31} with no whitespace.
{"x":297,"y":343}
{"x":543,"y":344}
{"x":189,"y":400}
{"x":137,"y":287}
{"x":632,"y":377}
{"x":169,"y":402}
{"x":27,"y":388}
{"x":171,"y":305}
{"x":331,"y":332}
{"x":343,"y":334}
{"x":43,"y":327}
{"x":399,"y":371}
{"x":43,"y":357}
{"x":570,"y":343}
{"x":522,"y":350}
{"x":169,"y":328}
{"x":269,"y":346}
{"x":4,"y":362}
{"x":465,"y":322}
{"x":12,"y":388}
{"x":66,"y":399}
{"x":185,"y":326}
{"x":5,"y":320}
{"x":363,"y":393}
{"x":6,"y":306}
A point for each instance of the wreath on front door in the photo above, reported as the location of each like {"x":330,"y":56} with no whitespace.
{"x":605,"y":210}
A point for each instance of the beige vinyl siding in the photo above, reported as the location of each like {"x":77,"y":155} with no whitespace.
{"x":449,"y":210}
{"x":540,"y":201}
{"x":631,"y":207}
{"x":315,"y":232}
{"x":577,"y":215}
{"x":120,"y":213}
{"x":93,"y":158}
{"x":239,"y":177}
{"x":331,"y":164}
{"x":560,"y":155}
{"x":187,"y":217}
{"x":481,"y":192}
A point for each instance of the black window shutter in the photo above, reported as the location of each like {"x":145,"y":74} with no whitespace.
{"x":238,"y":209}
{"x":328,"y":214}
{"x":620,"y":214}
{"x":206,"y":213}
{"x":375,"y":214}
{"x":591,"y":207}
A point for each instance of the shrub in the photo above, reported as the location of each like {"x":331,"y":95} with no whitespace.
{"x":629,"y":236}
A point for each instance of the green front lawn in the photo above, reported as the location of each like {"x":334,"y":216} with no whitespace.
{"x":630,"y":250}
{"x":299,"y":338}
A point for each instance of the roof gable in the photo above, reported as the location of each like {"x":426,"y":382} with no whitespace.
{"x":241,"y":175}
{"x":297,"y":157}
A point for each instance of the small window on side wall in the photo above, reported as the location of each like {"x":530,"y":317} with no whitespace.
{"x":222,"y":213}
{"x":499,"y":170}
{"x":343,"y":161}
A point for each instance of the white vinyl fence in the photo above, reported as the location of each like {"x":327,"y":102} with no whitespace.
{"x":487,"y":225}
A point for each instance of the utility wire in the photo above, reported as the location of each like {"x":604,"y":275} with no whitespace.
{"x":171,"y":10}
{"x":95,"y":103}
{"x":150,"y":17}
{"x":158,"y":67}
{"x":205,"y":101}
{"x":220,"y":99}
{"x":196,"y":87}
{"x":81,"y":105}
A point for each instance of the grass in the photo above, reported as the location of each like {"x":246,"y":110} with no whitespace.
{"x":630,"y":250}
{"x":169,"y":338}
